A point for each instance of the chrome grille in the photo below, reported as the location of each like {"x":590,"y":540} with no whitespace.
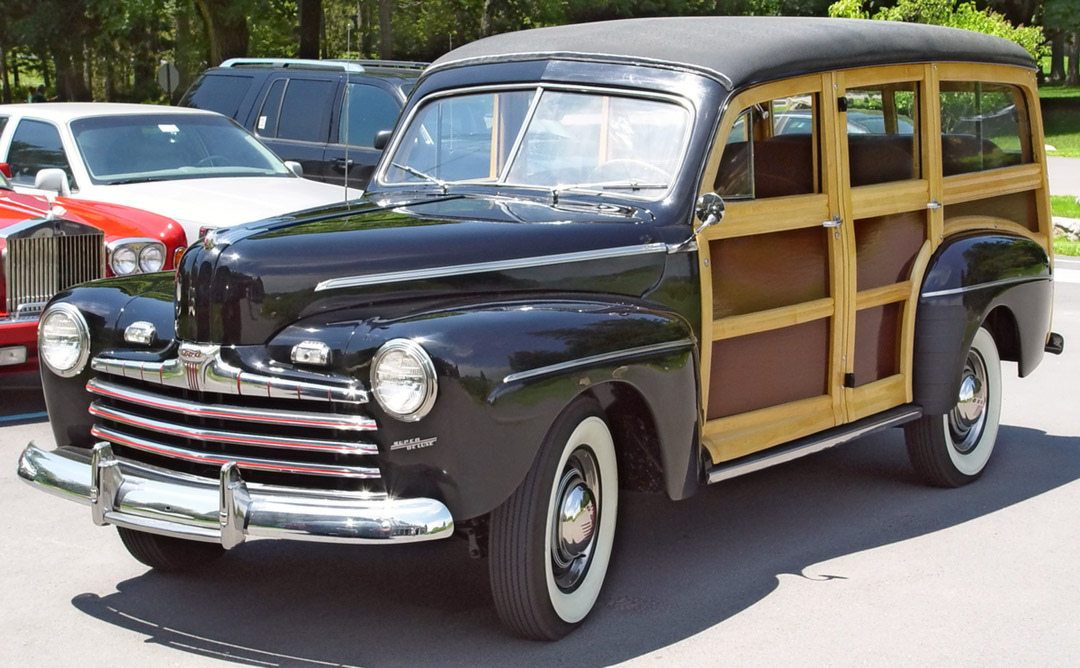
{"x":275,"y":441}
{"x":36,"y":268}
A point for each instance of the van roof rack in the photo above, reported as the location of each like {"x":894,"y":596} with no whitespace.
{"x":337,"y":64}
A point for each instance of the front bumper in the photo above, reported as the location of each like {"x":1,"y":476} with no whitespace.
{"x":146,"y":498}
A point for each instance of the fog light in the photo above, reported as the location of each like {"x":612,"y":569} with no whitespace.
{"x":140,"y":332}
{"x":12,"y":355}
{"x":311,"y":352}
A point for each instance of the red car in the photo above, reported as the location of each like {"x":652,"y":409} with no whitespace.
{"x":46,"y":247}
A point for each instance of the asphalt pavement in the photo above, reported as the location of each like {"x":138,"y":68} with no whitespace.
{"x":1064,"y":176}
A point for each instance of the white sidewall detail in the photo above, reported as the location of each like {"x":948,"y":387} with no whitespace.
{"x":973,"y":462}
{"x":574,"y":606}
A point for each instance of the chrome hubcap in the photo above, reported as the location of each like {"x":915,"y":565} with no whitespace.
{"x":967,"y":418}
{"x":574,"y":525}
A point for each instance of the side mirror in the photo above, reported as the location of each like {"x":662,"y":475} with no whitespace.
{"x":295,"y":166}
{"x":53,"y":179}
{"x":709,"y":210}
{"x":382,"y":138}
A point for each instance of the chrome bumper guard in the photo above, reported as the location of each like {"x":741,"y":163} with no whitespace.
{"x":147,"y":498}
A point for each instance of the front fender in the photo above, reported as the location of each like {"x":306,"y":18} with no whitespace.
{"x":505,"y":371}
{"x":1000,"y":280}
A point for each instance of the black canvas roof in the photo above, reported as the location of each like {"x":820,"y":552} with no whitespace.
{"x":740,"y":50}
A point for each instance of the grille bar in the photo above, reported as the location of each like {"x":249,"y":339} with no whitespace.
{"x":256,"y":463}
{"x":36,"y":268}
{"x":216,"y":436}
{"x":111,"y":390}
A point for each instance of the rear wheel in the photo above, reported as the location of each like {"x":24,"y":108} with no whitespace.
{"x":952,"y":449}
{"x":551,"y":540}
{"x":168,"y":554}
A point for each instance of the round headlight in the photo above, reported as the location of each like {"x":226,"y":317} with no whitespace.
{"x":63,"y":340}
{"x":151,"y":258}
{"x":123,"y":260}
{"x":403,"y":380}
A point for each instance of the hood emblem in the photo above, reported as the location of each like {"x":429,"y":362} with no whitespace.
{"x":196,"y":357}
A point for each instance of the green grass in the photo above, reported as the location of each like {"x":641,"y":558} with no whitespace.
{"x":1063,"y":246}
{"x":1066,"y":206}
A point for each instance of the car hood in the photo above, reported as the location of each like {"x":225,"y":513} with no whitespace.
{"x":222,"y":202}
{"x":241,"y":286}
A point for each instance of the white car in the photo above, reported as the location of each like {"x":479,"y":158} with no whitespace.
{"x":197,"y":167}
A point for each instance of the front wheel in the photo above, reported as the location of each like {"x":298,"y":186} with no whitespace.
{"x":168,"y":554}
{"x":551,"y":540}
{"x":952,"y":449}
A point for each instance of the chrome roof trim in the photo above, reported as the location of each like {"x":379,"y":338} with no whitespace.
{"x":592,"y":360}
{"x":982,"y":286}
{"x":483,"y":267}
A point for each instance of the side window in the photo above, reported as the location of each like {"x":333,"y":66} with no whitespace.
{"x":882,"y":132}
{"x":267,"y":122}
{"x":218,"y":92}
{"x":772,"y":151}
{"x":36,"y":146}
{"x":305,"y":110}
{"x":984,"y":126}
{"x":3,"y":122}
{"x":370,"y":110}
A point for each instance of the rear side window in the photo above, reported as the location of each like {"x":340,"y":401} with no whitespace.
{"x":305,"y":110}
{"x":883,"y":133}
{"x":984,"y":126}
{"x":370,"y":110}
{"x":222,"y":93}
{"x":35,"y":146}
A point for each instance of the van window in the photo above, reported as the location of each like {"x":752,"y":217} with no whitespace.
{"x":35,"y":146}
{"x":984,"y":126}
{"x":772,"y":151}
{"x":219,"y":92}
{"x":883,"y":133}
{"x":370,"y":110}
{"x":305,"y":110}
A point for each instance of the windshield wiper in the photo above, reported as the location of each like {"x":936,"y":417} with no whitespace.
{"x":602,"y":187}
{"x":416,"y":172}
{"x":139,"y":179}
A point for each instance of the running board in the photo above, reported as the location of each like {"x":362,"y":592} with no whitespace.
{"x":807,"y":446}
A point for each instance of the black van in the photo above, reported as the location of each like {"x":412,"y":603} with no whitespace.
{"x":299,"y":108}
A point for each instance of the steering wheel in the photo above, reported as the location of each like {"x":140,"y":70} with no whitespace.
{"x":209,"y":160}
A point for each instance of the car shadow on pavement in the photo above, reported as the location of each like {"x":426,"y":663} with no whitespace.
{"x":679,"y":568}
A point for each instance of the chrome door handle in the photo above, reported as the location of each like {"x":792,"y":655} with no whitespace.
{"x":832,"y":222}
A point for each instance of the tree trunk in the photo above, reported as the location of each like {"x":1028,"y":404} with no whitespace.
{"x":6,"y":95}
{"x":485,"y":18}
{"x":226,"y":30}
{"x":386,"y":34}
{"x":1072,"y":74}
{"x":310,"y":20}
{"x":1057,"y":55}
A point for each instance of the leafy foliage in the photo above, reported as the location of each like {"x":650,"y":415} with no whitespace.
{"x":965,"y":15}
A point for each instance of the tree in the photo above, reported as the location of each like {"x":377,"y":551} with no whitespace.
{"x":310,"y":27}
{"x":1064,"y":15}
{"x":226,"y":28}
{"x":947,"y":13}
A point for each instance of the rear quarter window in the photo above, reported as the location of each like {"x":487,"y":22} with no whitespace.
{"x":222,"y":93}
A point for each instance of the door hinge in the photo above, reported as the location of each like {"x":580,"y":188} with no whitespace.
{"x":841,"y":104}
{"x":849,"y":380}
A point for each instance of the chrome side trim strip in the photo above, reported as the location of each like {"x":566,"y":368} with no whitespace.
{"x":813,"y":444}
{"x":988,"y":284}
{"x":593,"y":360}
{"x":148,"y":498}
{"x":213,"y":374}
{"x":482,"y":267}
{"x":105,"y":388}
{"x":217,"y":436}
{"x":257,"y":463}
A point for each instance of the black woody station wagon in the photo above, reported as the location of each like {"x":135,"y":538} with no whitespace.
{"x":656,"y":253}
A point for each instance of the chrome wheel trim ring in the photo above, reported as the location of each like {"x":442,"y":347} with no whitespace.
{"x":575,"y":524}
{"x":968,"y":418}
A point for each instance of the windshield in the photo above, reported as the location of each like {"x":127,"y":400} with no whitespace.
{"x":161,"y":147}
{"x":553,"y":139}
